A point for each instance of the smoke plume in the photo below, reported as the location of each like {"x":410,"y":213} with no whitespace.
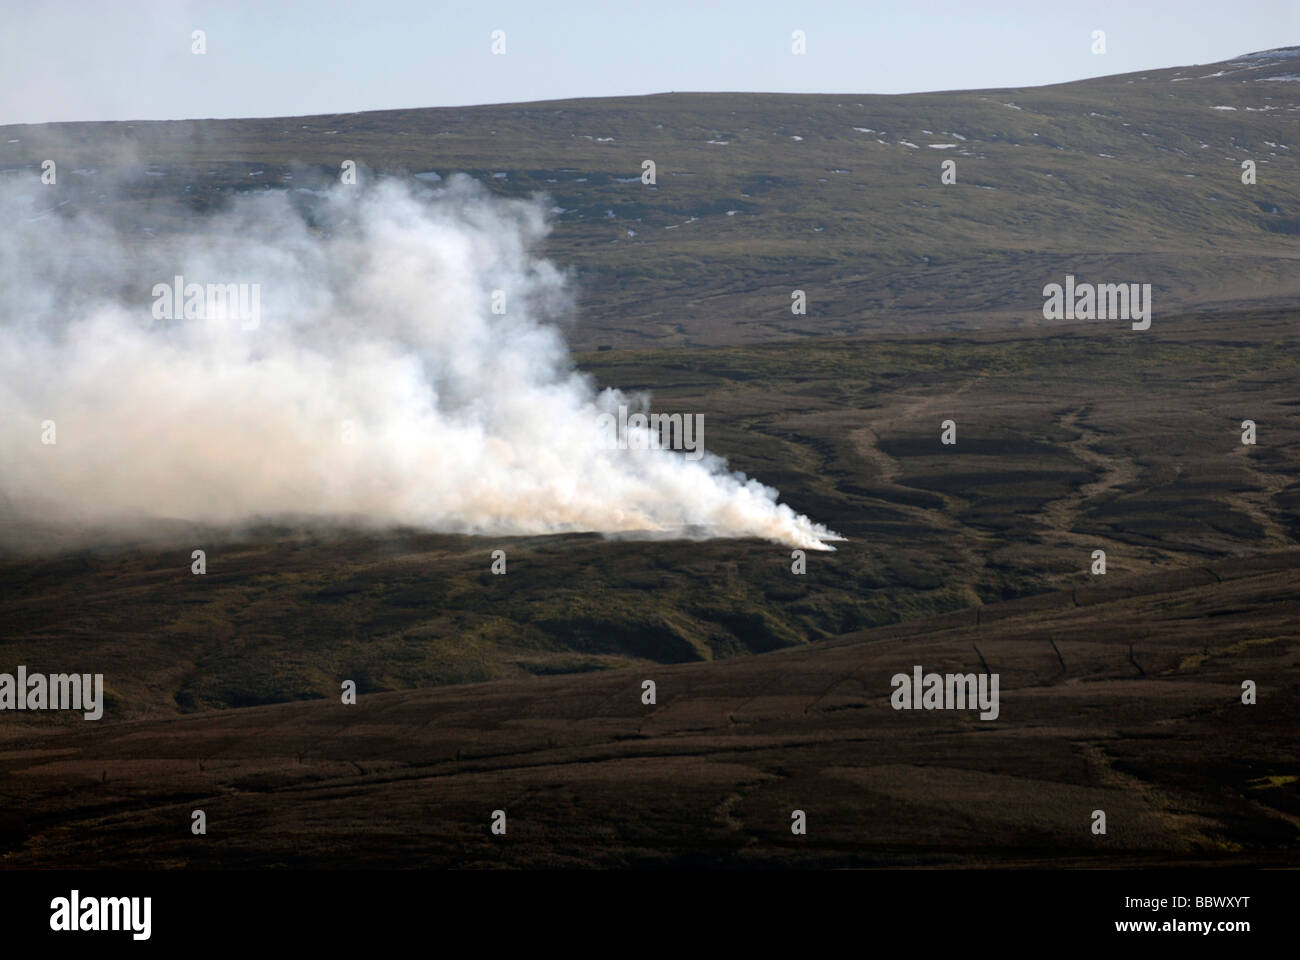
{"x":375,"y":382}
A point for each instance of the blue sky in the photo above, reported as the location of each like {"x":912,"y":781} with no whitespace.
{"x":88,"y":60}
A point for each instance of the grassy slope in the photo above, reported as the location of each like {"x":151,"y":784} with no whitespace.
{"x":1069,"y":440}
{"x":864,"y":227}
{"x":1123,"y":698}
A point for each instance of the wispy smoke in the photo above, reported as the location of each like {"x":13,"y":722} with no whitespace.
{"x":377,"y":384}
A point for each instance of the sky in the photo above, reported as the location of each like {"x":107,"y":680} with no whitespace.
{"x":134,"y":60}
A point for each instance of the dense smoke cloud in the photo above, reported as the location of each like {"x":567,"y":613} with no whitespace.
{"x":366,"y":378}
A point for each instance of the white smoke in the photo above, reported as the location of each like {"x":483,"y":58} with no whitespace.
{"x":376,"y":324}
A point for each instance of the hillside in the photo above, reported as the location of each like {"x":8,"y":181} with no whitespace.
{"x":1067,"y":442}
{"x":1133,"y":178}
{"x":1124,"y":699}
{"x":522,"y":692}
